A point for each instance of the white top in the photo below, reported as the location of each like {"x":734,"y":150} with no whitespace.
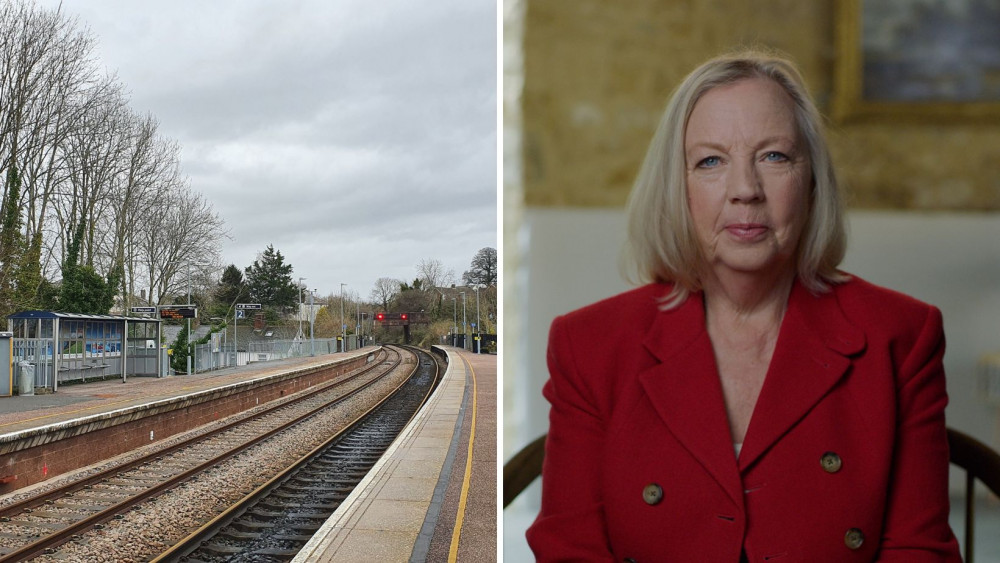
{"x":738,"y":447}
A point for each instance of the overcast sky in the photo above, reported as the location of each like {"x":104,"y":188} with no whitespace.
{"x":356,"y":137}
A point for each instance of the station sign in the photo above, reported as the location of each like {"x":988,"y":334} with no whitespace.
{"x":254,"y":306}
{"x":177,"y":312}
{"x":143,"y":309}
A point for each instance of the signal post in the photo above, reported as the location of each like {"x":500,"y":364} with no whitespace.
{"x":403,"y":320}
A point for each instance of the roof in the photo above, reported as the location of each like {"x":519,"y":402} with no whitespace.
{"x":76,"y":316}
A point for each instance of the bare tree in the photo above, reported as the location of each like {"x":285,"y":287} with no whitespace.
{"x":75,"y":154}
{"x":43,"y":60}
{"x":483,"y":271}
{"x":434,"y":274}
{"x":151,"y":166}
{"x":385,"y":290}
{"x":185,"y":231}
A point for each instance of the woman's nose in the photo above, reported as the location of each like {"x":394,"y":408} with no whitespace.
{"x":743,"y":184}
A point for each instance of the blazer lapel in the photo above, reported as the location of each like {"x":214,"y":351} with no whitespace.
{"x":685,"y":391}
{"x":812,"y":354}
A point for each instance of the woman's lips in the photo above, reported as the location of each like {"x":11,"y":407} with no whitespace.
{"x":746,"y":231}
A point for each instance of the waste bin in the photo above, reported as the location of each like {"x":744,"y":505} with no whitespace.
{"x":26,"y":381}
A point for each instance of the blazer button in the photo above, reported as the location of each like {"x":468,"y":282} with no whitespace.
{"x":830,"y":462}
{"x":652,"y":494}
{"x":854,"y":538}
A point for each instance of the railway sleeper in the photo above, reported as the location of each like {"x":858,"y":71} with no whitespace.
{"x":64,"y":516}
{"x":263,"y":513}
{"x":306,"y":498}
{"x":36,"y":525}
{"x":299,"y":538}
{"x":276,"y":552}
{"x":360,"y":457}
{"x":346,"y":476}
{"x":128,"y":483}
{"x":250,"y":525}
{"x":236,"y":535}
{"x":69,"y":504}
{"x":220,"y":549}
{"x":314,"y":486}
{"x":309,"y":515}
{"x":310,"y":505}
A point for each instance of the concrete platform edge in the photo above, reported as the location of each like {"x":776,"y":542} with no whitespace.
{"x":25,"y":434}
{"x":423,"y":544}
{"x":326,"y":542}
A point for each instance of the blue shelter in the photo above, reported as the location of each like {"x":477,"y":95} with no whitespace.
{"x":68,"y":346}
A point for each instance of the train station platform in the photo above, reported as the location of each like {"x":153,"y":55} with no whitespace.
{"x":73,"y":402}
{"x":432,"y":496}
{"x":46,"y":435}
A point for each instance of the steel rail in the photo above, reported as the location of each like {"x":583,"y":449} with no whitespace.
{"x":59,"y":492}
{"x":43,"y":544}
{"x":193,"y":541}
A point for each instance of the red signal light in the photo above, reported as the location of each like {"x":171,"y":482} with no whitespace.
{"x":380,"y":316}
{"x":403,"y":316}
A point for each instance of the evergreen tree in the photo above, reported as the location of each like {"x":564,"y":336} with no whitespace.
{"x":83,"y":290}
{"x":230,"y":290}
{"x":269,"y":282}
{"x":181,"y":351}
{"x":20,"y":263}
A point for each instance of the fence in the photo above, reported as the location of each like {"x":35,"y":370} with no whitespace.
{"x":208,"y":357}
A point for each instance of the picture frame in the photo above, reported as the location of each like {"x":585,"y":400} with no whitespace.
{"x":917,"y":61}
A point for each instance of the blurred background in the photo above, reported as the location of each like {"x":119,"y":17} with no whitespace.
{"x":912,"y":89}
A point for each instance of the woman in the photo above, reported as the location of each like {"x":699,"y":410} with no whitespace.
{"x":758,"y":404}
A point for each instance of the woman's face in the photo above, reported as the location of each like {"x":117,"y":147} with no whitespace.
{"x":748,"y":178}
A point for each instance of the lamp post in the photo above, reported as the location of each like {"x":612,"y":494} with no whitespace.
{"x":464,"y":325}
{"x":454,"y":332}
{"x":343,"y":327}
{"x":479,"y":329}
{"x":300,"y":336}
{"x":190,"y":348}
{"x":312,"y":321}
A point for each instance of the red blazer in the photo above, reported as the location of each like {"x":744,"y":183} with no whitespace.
{"x":845,"y":458}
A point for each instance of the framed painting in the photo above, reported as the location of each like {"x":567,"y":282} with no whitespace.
{"x":917,"y":59}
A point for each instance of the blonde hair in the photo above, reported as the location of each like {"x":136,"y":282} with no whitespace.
{"x":662,"y":243}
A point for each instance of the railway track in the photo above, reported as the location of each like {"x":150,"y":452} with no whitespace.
{"x":276,"y":520}
{"x":37,"y":525}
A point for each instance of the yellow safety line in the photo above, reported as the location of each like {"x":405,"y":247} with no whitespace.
{"x":464,"y":497}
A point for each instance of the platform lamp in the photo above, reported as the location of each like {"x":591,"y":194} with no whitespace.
{"x":312,"y":324}
{"x":190,"y":349}
{"x":464,"y":325}
{"x":454,"y":332}
{"x":479,"y":329}
{"x":300,"y":336}
{"x":343,"y":327}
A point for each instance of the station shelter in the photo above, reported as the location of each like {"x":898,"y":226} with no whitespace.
{"x":63,"y":347}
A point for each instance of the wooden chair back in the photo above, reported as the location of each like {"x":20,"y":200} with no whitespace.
{"x":977,"y":459}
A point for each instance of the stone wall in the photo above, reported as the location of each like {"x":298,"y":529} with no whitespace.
{"x":597,"y":75}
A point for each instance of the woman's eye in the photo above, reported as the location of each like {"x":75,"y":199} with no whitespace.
{"x":775,"y":156}
{"x":709,"y":162}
